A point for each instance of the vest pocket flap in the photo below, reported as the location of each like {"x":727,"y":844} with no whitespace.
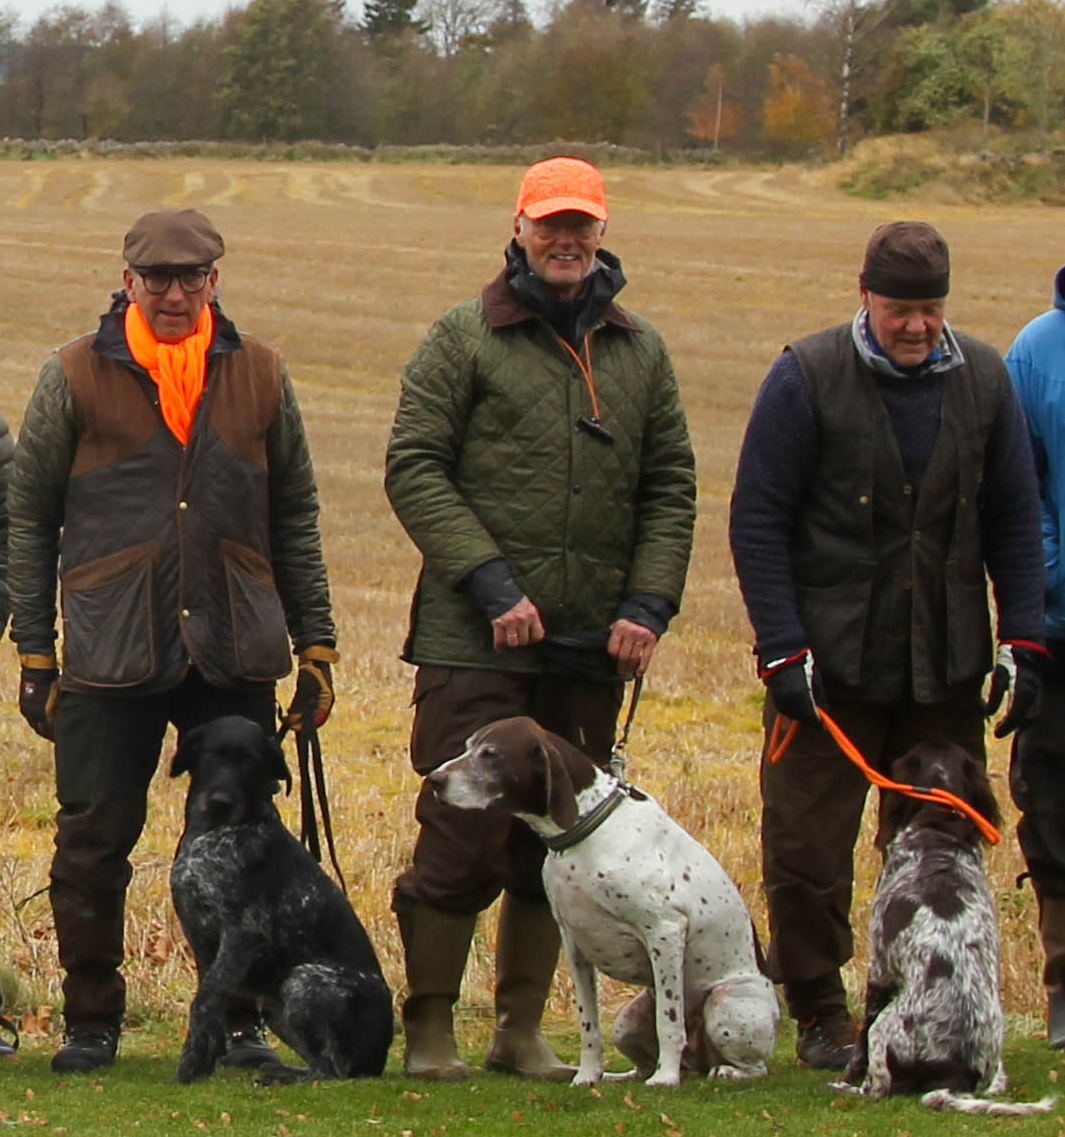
{"x":108,"y":632}
{"x":835,"y":619}
{"x":261,"y":648}
{"x":969,"y":644}
{"x":246,"y":561}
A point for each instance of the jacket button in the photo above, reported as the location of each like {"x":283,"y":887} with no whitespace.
{"x":907,"y":490}
{"x":185,"y":613}
{"x":864,"y":499}
{"x":183,"y":505}
{"x":576,"y":489}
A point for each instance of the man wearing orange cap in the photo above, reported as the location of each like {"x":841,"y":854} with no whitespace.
{"x":540,"y":461}
{"x":162,"y":474}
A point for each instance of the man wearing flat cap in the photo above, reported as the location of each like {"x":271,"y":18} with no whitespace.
{"x":885,"y":470}
{"x":162,"y":474}
{"x":540,"y":461}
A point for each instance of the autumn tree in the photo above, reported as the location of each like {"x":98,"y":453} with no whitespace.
{"x":712,"y":117}
{"x":591,"y":75}
{"x":798,"y":106}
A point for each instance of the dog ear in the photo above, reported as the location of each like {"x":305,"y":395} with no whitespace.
{"x":275,"y":761}
{"x":978,"y":791}
{"x":184,"y":760}
{"x":558,"y":786}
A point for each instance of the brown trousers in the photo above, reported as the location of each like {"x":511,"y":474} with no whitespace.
{"x":812,"y":803}
{"x":463,"y":859}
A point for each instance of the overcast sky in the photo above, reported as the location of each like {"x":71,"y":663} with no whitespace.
{"x":188,"y":11}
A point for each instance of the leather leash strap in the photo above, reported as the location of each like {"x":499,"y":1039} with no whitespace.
{"x":312,"y":780}
{"x":618,"y":756}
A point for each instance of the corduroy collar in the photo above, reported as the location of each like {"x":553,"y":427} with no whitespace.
{"x":504,"y":306}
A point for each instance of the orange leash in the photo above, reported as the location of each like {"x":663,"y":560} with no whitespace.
{"x":934,"y":793}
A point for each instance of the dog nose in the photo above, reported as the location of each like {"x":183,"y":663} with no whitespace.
{"x":220,"y":805}
{"x":437,"y":779}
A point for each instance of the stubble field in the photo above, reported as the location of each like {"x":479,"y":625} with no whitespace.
{"x":345,"y":267}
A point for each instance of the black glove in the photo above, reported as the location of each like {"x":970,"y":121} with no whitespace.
{"x":314,"y":687}
{"x":38,"y":690}
{"x":1018,"y":676}
{"x":795,"y":686}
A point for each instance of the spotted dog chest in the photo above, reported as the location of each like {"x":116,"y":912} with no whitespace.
{"x":638,"y":878}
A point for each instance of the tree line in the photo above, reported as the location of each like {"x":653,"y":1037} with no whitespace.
{"x":653,"y":74}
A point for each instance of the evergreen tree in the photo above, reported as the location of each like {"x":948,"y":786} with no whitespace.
{"x":390,"y":17}
{"x":277,"y":71}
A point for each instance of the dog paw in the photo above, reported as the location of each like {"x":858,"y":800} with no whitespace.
{"x":587,"y":1078}
{"x":282,"y":1075}
{"x":738,"y":1072}
{"x":191,"y":1070}
{"x":663,"y":1078}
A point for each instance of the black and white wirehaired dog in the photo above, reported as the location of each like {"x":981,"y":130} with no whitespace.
{"x":933,"y":1020}
{"x":265,"y":922}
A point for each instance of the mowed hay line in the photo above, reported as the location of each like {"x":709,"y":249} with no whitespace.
{"x":345,"y":268}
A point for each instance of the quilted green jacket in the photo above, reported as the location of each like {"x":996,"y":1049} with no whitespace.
{"x":486,"y":460}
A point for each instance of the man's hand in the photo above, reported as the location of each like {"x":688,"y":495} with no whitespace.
{"x":1018,"y":676}
{"x":38,"y":690}
{"x":632,"y":645}
{"x":314,"y":687}
{"x":518,"y":626}
{"x":795,"y":686}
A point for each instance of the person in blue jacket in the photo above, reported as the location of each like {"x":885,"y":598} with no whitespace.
{"x":1036,"y":363}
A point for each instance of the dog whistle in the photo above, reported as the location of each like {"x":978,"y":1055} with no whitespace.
{"x":591,"y":425}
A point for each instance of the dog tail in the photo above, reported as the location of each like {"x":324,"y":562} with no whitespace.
{"x":966,"y":1103}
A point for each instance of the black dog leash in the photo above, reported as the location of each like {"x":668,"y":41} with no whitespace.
{"x":309,"y":758}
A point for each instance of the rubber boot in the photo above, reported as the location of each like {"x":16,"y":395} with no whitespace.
{"x":435,"y":944}
{"x":1052,"y":933}
{"x":526,"y":954}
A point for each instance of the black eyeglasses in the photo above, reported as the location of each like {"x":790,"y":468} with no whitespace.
{"x":158,"y":280}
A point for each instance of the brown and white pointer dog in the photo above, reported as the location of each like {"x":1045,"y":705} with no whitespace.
{"x":634,"y":896}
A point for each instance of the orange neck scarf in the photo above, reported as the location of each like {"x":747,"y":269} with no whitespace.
{"x":177,"y":369}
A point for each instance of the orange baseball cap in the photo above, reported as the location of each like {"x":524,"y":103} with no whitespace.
{"x":562,"y":183}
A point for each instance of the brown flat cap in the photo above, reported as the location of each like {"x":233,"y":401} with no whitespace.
{"x":172,"y":237}
{"x":907,"y":260}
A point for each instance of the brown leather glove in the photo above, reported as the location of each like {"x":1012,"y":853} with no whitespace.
{"x":38,"y":690}
{"x":314,"y":687}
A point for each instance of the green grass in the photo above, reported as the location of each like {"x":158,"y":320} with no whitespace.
{"x":139,"y":1095}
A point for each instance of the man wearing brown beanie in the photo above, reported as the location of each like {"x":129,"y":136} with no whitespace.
{"x":162,"y":478}
{"x":885,"y":470}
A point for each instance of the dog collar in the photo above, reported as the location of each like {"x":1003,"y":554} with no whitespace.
{"x":587,"y":824}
